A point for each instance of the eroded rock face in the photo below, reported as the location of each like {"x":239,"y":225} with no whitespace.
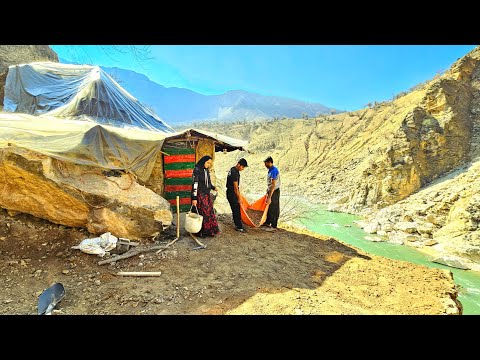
{"x":444,"y":215}
{"x":73,"y":195}
{"x":374,"y":157}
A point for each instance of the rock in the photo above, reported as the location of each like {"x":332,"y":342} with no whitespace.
{"x":342,"y":200}
{"x":65,"y":272}
{"x":387,"y":227}
{"x":451,"y":261}
{"x":408,"y":227}
{"x":411,"y":237}
{"x":12,"y":213}
{"x":97,"y":282}
{"x":397,"y":238}
{"x":2,"y":238}
{"x":430,"y":242}
{"x":426,"y":228}
{"x":381,"y":233}
{"x":81,"y":200}
{"x":371,"y":228}
{"x":373,"y":238}
{"x":433,"y":219}
{"x":360,"y":223}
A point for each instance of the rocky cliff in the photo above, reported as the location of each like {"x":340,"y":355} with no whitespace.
{"x":364,"y":161}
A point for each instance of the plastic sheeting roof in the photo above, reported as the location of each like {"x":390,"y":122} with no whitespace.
{"x":221,"y":141}
{"x":69,"y":91}
{"x":83,"y":141}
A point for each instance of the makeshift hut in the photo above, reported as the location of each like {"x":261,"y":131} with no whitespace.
{"x":172,"y":173}
{"x":78,"y":114}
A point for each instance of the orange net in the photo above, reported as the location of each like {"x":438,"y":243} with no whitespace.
{"x":254,"y":214}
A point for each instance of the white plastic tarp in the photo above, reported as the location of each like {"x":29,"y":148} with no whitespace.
{"x":69,"y":91}
{"x":85,"y":142}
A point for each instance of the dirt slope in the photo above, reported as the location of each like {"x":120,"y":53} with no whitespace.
{"x":254,"y":273}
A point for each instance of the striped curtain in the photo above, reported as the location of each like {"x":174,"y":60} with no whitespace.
{"x":178,"y":166}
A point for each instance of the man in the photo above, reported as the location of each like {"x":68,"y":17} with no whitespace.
{"x":233,"y":193}
{"x":273,"y":194}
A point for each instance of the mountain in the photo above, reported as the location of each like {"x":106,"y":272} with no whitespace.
{"x":411,"y":165}
{"x":179,"y":105}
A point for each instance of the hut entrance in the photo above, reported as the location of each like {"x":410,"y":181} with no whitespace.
{"x":178,"y":168}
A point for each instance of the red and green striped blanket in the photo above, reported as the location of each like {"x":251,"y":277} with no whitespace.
{"x":178,"y":166}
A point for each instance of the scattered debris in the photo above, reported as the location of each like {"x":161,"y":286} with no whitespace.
{"x":123,"y":245}
{"x":49,"y":298}
{"x":202,"y":246}
{"x":137,"y":251}
{"x":98,"y":245}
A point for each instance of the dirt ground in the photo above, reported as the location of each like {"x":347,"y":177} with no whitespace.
{"x":258,"y":272}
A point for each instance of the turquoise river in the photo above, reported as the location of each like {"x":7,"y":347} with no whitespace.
{"x":333,"y":224}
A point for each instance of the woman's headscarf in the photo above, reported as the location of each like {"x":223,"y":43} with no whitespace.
{"x":202,"y":161}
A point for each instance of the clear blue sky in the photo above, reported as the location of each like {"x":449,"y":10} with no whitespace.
{"x":343,"y":77}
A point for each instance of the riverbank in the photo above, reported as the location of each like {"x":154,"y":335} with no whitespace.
{"x":342,"y":226}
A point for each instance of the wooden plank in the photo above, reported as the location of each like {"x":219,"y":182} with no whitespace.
{"x":139,"y":273}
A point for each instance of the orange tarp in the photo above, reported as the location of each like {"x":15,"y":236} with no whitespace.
{"x":258,"y":205}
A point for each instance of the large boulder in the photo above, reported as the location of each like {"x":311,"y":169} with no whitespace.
{"x":74,"y":195}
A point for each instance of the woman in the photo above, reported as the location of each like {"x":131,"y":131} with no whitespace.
{"x":201,"y":196}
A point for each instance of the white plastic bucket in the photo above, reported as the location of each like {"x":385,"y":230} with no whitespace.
{"x":193,"y":221}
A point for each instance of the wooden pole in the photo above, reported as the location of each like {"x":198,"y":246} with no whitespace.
{"x":139,"y":273}
{"x":198,"y":241}
{"x":178,"y":217}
